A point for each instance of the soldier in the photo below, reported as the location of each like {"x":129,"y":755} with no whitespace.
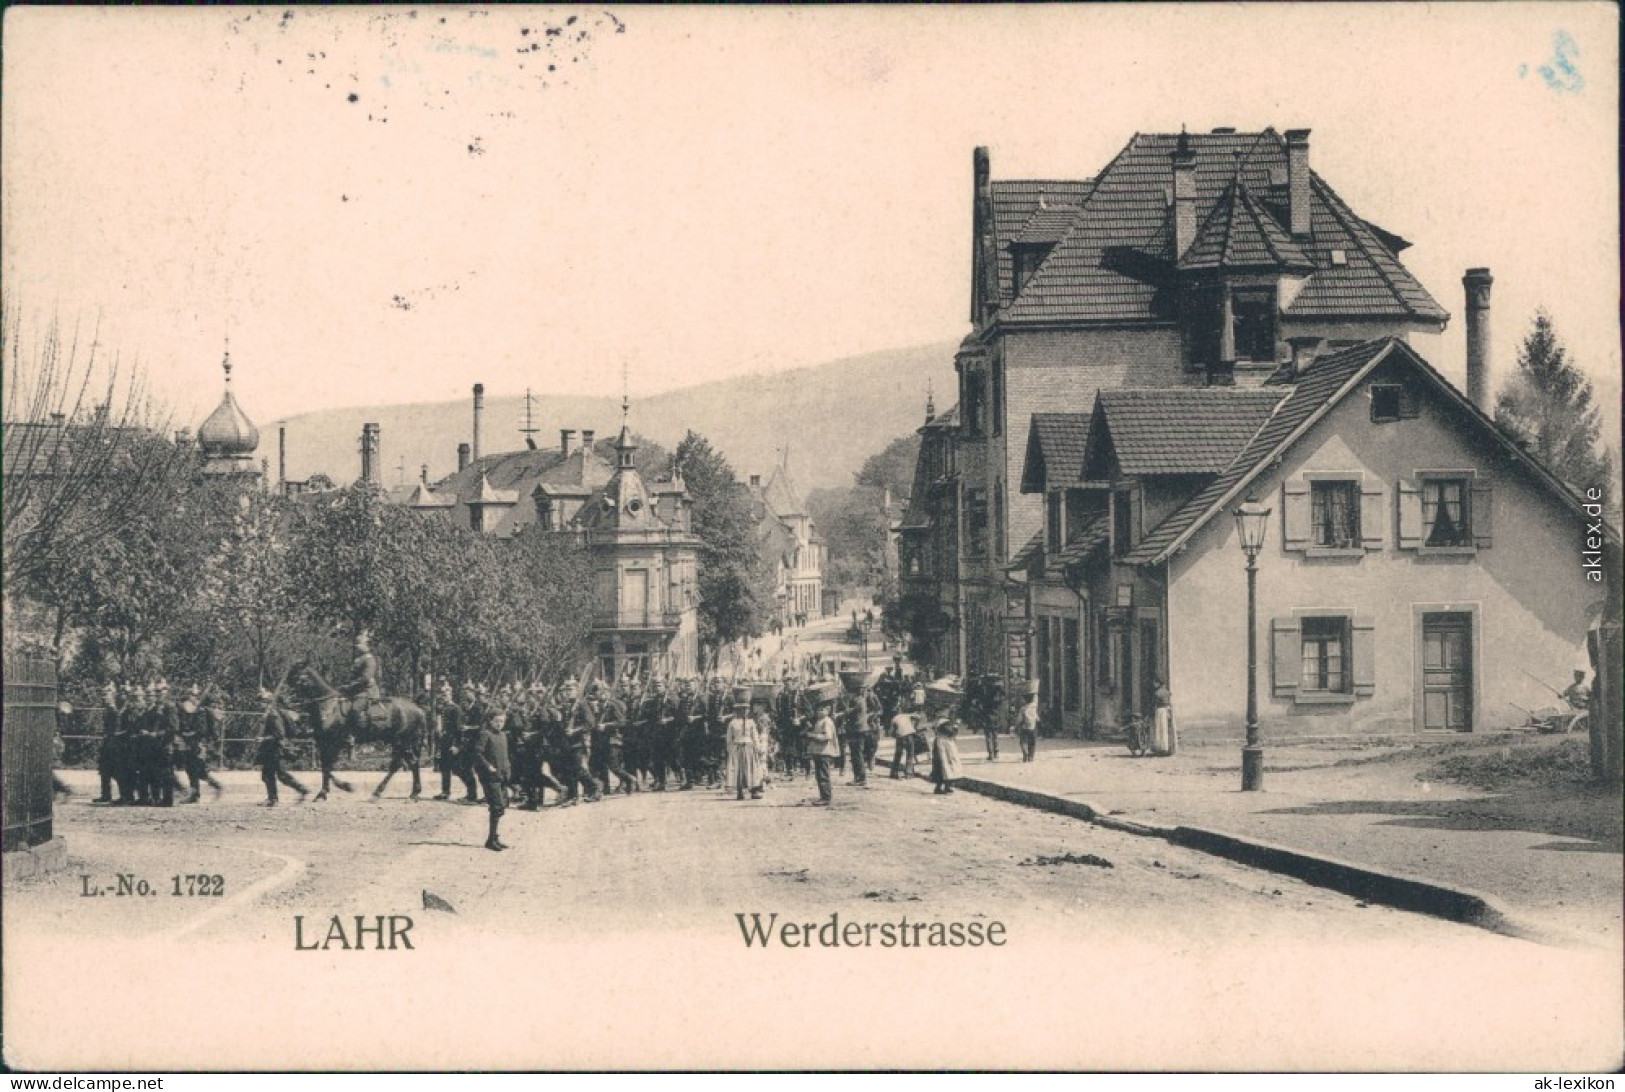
{"x":855,"y":732}
{"x":132,"y":790}
{"x":491,"y":766}
{"x":576,"y":722}
{"x":363,"y":688}
{"x":274,"y":728}
{"x":716,"y":731}
{"x":543,"y":736}
{"x":476,"y":701}
{"x":790,"y":718}
{"x":448,"y":719}
{"x":107,"y":756}
{"x":659,"y":716}
{"x":192,"y":742}
{"x":689,"y":731}
{"x":609,"y":740}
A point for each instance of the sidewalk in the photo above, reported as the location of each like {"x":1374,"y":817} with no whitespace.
{"x":1535,"y":854}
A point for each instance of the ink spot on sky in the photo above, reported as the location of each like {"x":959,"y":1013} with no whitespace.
{"x":1562,"y":73}
{"x":353,"y":97}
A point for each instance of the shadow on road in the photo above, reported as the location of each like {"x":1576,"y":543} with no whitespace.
{"x":1538,"y":813}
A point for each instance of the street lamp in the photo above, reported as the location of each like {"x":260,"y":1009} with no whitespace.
{"x":1251,"y":519}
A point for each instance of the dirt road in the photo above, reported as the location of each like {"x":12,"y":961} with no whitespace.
{"x":610,"y":935}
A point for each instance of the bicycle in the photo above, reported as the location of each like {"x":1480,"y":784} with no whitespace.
{"x":1137,"y":734}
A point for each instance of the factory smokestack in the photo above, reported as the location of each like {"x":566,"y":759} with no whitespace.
{"x":479,"y":410}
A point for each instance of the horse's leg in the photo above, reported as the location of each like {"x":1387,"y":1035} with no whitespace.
{"x":326,"y":763}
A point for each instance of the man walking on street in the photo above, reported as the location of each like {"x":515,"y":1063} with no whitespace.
{"x":273,"y":732}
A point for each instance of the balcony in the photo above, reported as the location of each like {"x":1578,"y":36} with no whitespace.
{"x":653,"y":620}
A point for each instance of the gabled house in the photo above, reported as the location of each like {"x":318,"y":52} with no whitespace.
{"x":928,"y":547}
{"x":1190,"y":261}
{"x":1420,"y":571}
{"x":794,"y":547}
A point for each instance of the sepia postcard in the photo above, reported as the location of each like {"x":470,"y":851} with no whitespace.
{"x":1028,"y":537}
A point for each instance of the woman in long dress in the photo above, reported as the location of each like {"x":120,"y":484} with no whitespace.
{"x":1164,"y":732}
{"x":744,"y":760}
{"x":945,"y":767}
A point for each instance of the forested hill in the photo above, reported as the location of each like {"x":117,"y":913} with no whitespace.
{"x":832,"y":415}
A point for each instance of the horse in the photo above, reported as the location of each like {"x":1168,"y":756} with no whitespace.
{"x":400,"y":723}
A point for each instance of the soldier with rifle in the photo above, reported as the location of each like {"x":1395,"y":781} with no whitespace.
{"x":192,"y":742}
{"x":609,"y":739}
{"x":659,"y":716}
{"x":108,"y":759}
{"x":448,"y":720}
{"x":543,"y":735}
{"x":577,"y":726}
{"x":274,"y":727}
{"x":689,"y":731}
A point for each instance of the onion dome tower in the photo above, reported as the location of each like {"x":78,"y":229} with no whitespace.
{"x":228,"y":439}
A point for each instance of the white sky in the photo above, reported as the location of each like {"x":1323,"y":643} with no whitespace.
{"x":714,"y":192}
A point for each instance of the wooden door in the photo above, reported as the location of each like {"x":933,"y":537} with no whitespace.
{"x":1447,"y":672}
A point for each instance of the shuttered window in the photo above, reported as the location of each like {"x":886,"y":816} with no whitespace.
{"x":1323,"y":656}
{"x":1445,"y":511}
{"x":1332,"y":514}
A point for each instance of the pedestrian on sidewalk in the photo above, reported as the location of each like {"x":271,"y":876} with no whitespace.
{"x":1027,"y":727}
{"x":1164,"y":731}
{"x":945,"y":767}
{"x":903,"y":729}
{"x":823,"y":745}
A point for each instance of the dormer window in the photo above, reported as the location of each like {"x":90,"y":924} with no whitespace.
{"x":1025,"y":258}
{"x":1252,"y":316}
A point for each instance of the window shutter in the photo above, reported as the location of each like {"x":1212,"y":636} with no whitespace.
{"x":1286,"y":661}
{"x":1295,"y":514}
{"x":1410,"y":515}
{"x":1483,"y":513}
{"x":1364,"y":653}
{"x":1372,"y":531}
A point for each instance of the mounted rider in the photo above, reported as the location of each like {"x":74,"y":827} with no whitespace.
{"x":362,"y":689}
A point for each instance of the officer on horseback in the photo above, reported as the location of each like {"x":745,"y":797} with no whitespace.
{"x":362,"y":689}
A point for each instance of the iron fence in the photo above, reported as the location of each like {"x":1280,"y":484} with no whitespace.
{"x":29,"y":729}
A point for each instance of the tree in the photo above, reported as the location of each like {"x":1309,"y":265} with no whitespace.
{"x":855,"y":523}
{"x":735,"y":581}
{"x":85,"y":450}
{"x":1548,"y":407}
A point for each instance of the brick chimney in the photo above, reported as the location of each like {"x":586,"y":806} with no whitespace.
{"x":282,"y":453}
{"x":1477,"y":283}
{"x":566,"y":438}
{"x":1184,"y":163}
{"x":1297,"y":181}
{"x":587,"y":435}
{"x":987,"y":255}
{"x":479,"y":411}
{"x":462,"y":457}
{"x":423,"y":473}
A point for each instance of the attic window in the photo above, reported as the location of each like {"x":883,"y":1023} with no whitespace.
{"x":1340,"y":257}
{"x":1024,"y":262}
{"x":1385,"y":402}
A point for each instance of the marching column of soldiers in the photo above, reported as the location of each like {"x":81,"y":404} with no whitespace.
{"x":148,"y":740}
{"x":519,"y":743}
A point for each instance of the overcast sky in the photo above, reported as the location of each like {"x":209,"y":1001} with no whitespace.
{"x":700,"y":193}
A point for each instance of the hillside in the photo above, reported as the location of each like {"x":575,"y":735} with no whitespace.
{"x":832,"y":415}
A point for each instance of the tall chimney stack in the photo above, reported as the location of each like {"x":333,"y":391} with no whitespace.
{"x":462,"y":457}
{"x":587,"y":435}
{"x":1477,"y":283}
{"x":423,"y":473}
{"x":281,"y":455}
{"x":566,"y":438}
{"x":1297,"y":181}
{"x":1184,"y":162}
{"x":479,"y":410}
{"x":369,"y":453}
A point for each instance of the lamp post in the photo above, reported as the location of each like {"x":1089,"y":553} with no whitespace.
{"x":1251,"y":519}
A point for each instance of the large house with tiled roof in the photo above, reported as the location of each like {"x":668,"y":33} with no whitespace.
{"x":1411,"y":576}
{"x":638,"y":532}
{"x":1192,"y":262}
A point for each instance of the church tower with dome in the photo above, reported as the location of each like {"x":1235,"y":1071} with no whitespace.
{"x":228,"y":439}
